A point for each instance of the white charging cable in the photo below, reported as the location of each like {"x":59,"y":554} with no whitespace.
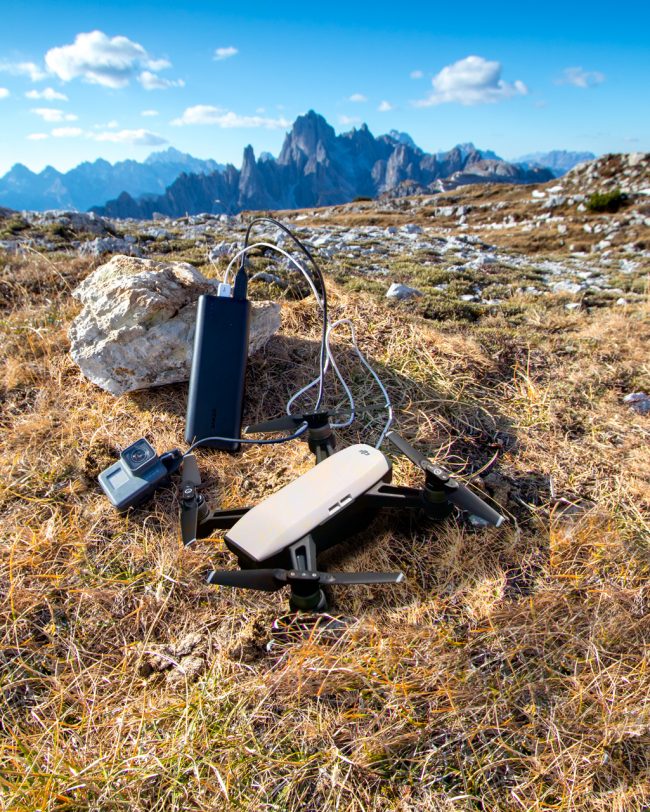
{"x":329,"y":354}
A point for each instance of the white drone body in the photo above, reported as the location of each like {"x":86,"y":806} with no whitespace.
{"x":307,"y":502}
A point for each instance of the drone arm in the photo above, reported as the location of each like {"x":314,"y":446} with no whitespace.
{"x":219,"y":520}
{"x":383,"y":495}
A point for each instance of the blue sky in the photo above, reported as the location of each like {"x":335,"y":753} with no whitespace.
{"x":117,"y":80}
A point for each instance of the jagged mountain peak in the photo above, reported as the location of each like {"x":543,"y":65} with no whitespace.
{"x":308,"y":131}
{"x":402,"y":138}
{"x":317,"y":167}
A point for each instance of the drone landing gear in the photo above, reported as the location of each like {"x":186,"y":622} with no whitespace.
{"x":306,"y":594}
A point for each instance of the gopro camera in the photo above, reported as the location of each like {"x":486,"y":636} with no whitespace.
{"x":137,"y":474}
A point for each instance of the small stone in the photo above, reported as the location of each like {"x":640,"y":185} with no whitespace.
{"x":398,"y":291}
{"x":638,"y":401}
{"x":411,"y":228}
{"x":567,"y":287}
{"x":223,"y":249}
{"x":477,"y":521}
{"x":621,"y":301}
{"x":110,"y":245}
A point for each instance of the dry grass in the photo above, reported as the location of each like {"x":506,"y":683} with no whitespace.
{"x":510,"y":673}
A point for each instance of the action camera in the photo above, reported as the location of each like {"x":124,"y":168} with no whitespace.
{"x":137,"y":474}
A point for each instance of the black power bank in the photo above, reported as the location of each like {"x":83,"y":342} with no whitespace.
{"x":216,"y":393}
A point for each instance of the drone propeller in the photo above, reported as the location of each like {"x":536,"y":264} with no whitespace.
{"x":290,"y":422}
{"x":270,"y":580}
{"x":190,"y":500}
{"x":456,"y":493}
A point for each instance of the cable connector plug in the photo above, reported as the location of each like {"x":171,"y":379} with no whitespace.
{"x":241,"y":284}
{"x":224,"y":289}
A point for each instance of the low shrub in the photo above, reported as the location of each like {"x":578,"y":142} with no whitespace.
{"x":606,"y":201}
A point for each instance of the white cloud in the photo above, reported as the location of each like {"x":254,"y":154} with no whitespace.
{"x":578,"y":77}
{"x":37,"y":136}
{"x":30,"y":69}
{"x":67,"y":132}
{"x":225,"y":53}
{"x":142,"y":138}
{"x":108,"y":134}
{"x":385,"y":107}
{"x":48,"y":94}
{"x":101,"y":60}
{"x":349,"y":121}
{"x":416,"y":74}
{"x":358,"y":97}
{"x":52,"y":115}
{"x":151,"y":81}
{"x":149,"y":113}
{"x":4,"y":93}
{"x":207,"y":114}
{"x":473,"y":80}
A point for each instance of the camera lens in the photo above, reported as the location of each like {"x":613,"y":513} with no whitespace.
{"x":138,"y":455}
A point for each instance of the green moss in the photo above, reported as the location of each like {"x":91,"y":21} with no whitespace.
{"x":606,"y":201}
{"x":439,"y":308}
{"x":12,"y":226}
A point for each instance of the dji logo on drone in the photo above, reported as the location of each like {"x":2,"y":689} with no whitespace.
{"x":364,"y":452}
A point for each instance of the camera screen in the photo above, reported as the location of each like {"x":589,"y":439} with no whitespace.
{"x":117,"y":478}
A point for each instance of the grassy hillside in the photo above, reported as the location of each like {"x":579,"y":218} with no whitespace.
{"x":510,"y":672}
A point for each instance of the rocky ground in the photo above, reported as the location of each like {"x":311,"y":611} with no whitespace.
{"x":459,"y":253}
{"x":509,"y":672}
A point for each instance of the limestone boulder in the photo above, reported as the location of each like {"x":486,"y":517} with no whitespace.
{"x":136,"y":326}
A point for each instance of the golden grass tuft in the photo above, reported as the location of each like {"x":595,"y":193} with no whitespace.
{"x":510,"y":672}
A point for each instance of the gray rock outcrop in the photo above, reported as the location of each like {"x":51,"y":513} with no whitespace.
{"x":136,"y":328}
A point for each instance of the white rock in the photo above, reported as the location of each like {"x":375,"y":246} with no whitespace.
{"x":567,"y":287}
{"x":411,"y":228}
{"x":554,"y":201}
{"x":110,"y":245}
{"x":638,"y":401}
{"x":223,"y":249}
{"x":399,"y":292}
{"x":136,"y":327}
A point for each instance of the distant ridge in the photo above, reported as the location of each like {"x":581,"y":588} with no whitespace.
{"x":91,"y":183}
{"x":558,"y":161}
{"x":316,"y":167}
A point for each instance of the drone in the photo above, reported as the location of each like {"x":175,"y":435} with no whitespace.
{"x":277,"y":542}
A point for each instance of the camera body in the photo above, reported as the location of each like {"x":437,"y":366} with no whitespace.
{"x":137,"y":474}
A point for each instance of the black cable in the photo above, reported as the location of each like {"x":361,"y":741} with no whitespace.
{"x":299,"y":432}
{"x":318,"y":278}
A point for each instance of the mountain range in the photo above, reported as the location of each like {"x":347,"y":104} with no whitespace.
{"x":92,"y":183}
{"x":316,"y":167}
{"x":558,"y":161}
